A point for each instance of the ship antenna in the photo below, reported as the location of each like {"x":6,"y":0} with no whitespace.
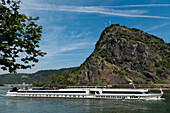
{"x":131,"y":82}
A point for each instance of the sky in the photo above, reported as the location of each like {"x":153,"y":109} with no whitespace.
{"x":71,"y":28}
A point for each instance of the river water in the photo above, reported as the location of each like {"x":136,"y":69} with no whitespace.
{"x":54,"y":105}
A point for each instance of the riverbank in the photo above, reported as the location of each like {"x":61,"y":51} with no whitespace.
{"x":17,"y":84}
{"x":138,"y":86}
{"x":164,"y":89}
{"x":142,"y":86}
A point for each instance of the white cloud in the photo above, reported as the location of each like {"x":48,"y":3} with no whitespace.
{"x":67,"y":49}
{"x":79,"y":35}
{"x":71,"y":54}
{"x":57,"y":50}
{"x":144,"y":5}
{"x":157,"y":27}
{"x":94,"y":9}
{"x":57,"y":41}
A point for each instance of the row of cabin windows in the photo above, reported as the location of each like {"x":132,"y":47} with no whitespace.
{"x":104,"y":92}
{"x":133,"y":96}
{"x":118,"y":92}
{"x":117,"y":97}
{"x":121,"y":97}
{"x":53,"y":95}
{"x":51,"y":91}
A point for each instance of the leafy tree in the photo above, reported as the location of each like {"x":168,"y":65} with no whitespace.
{"x":61,"y":79}
{"x":96,"y":81}
{"x":39,"y":84}
{"x":101,"y":81}
{"x":19,"y":38}
{"x":53,"y":79}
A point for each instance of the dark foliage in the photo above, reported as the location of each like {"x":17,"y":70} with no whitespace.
{"x":19,"y":35}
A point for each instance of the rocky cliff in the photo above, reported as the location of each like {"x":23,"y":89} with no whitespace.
{"x":142,"y":57}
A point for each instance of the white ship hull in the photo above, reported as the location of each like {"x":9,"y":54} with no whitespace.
{"x":123,"y":97}
{"x":88,"y":93}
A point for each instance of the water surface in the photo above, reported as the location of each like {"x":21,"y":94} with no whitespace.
{"x":54,"y":105}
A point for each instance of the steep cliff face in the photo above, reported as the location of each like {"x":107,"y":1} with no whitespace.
{"x":142,"y":57}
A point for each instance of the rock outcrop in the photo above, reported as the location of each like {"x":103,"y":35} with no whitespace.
{"x":120,"y":51}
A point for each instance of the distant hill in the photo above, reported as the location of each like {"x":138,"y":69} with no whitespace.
{"x":142,"y":57}
{"x":40,"y":76}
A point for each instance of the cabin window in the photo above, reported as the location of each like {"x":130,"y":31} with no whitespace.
{"x":120,"y":92}
{"x":97,"y":92}
{"x":146,"y":92}
{"x":133,"y":96}
{"x":123,"y":97}
{"x":51,"y":91}
{"x":92,"y":92}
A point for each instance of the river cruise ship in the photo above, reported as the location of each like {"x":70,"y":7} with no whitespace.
{"x":86,"y":92}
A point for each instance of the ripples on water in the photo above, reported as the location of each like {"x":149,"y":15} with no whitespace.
{"x":54,"y":105}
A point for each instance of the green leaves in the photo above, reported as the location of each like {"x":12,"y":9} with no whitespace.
{"x":19,"y":37}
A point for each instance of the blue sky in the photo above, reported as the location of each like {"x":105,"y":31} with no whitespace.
{"x":72,"y":27}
